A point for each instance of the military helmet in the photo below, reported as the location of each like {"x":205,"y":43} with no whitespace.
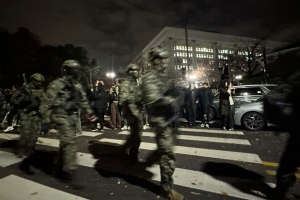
{"x":157,"y":52}
{"x":71,"y":63}
{"x":37,"y":77}
{"x":132,"y":67}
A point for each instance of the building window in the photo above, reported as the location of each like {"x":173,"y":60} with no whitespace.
{"x":204,"y":49}
{"x":222,"y":57}
{"x":223,"y":51}
{"x":211,"y":62}
{"x":242,"y":53}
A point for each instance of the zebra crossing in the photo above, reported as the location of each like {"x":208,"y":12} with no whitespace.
{"x":183,"y":177}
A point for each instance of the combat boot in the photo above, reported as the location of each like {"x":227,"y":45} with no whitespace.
{"x":19,"y":151}
{"x":281,"y":191}
{"x":133,"y":156}
{"x":29,"y":150}
{"x":58,"y":173}
{"x":172,"y":195}
{"x":71,"y":179}
{"x":25,"y":166}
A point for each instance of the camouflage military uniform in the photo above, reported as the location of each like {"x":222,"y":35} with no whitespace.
{"x":130,"y":101}
{"x":30,"y":121}
{"x":64,"y":97}
{"x":161,"y":109}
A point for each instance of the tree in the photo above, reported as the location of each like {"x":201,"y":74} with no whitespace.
{"x":247,"y":59}
{"x":19,"y":54}
{"x":284,"y":66}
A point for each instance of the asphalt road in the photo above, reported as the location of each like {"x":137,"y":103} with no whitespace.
{"x":211,"y":164}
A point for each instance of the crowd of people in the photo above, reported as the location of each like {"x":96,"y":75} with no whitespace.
{"x":156,"y":96}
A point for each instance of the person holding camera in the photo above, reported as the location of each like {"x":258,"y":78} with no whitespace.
{"x":226,"y":104}
{"x":99,"y":97}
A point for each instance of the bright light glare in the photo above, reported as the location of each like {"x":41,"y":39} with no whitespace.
{"x":192,"y":76}
{"x":238,"y":77}
{"x":110,"y":74}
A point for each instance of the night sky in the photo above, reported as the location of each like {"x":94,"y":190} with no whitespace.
{"x":114,"y":31}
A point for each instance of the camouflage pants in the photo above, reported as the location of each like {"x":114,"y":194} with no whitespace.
{"x":30,"y":129}
{"x":135,"y":138}
{"x":66,"y":127}
{"x":164,"y":153}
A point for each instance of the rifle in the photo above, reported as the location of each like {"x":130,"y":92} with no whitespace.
{"x":24,"y":79}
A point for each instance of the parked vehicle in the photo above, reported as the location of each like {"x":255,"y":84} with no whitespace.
{"x":250,"y":115}
{"x":243,"y":94}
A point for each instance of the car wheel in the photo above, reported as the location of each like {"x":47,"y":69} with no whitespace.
{"x":253,"y":121}
{"x":212,"y":113}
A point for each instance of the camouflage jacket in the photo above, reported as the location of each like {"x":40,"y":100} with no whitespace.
{"x":155,"y":94}
{"x":130,"y":97}
{"x":64,"y":96}
{"x":27,"y":98}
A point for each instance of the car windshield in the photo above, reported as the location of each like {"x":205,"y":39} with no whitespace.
{"x":260,"y":99}
{"x":271,"y":87}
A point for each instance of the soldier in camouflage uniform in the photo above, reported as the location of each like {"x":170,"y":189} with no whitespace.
{"x":28,"y":100}
{"x":130,"y":101}
{"x":156,"y":84}
{"x":64,"y":97}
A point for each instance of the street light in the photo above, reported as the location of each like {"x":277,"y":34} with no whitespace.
{"x":238,"y":78}
{"x":110,"y":75}
{"x":192,"y":77}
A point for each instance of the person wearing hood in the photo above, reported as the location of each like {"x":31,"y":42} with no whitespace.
{"x":100,"y":104}
{"x":226,"y":104}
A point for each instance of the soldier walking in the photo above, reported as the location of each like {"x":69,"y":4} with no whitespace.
{"x":161,"y":109}
{"x":64,"y":97}
{"x":28,"y":100}
{"x":130,"y":101}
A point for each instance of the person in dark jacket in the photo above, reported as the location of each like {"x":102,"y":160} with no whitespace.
{"x":115,"y":115}
{"x":99,"y":97}
{"x":290,"y":160}
{"x":191,"y":105}
{"x":226,"y":104}
{"x":205,"y":100}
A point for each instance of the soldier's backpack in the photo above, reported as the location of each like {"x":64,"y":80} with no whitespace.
{"x":278,"y":108}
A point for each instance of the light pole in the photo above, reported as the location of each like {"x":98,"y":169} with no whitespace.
{"x":111,"y":76}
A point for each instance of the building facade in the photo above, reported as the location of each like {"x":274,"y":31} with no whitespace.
{"x":208,"y":51}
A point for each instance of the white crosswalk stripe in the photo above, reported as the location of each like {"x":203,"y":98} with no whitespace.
{"x":183,"y":177}
{"x":227,"y":155}
{"x":84,"y":133}
{"x":17,"y":188}
{"x":219,"y":131}
{"x":198,"y":138}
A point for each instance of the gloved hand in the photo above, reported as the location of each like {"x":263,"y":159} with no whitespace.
{"x":92,"y":118}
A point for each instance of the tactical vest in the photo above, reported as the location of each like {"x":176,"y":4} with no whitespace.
{"x":68,"y":96}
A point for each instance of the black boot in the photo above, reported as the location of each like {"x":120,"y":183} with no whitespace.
{"x":281,"y":190}
{"x":72,"y":180}
{"x":133,"y":156}
{"x":25,"y":166}
{"x":58,"y":173}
